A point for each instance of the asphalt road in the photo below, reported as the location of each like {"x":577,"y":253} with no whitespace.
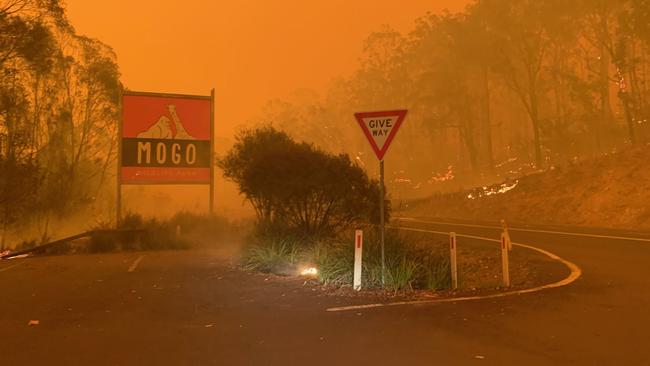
{"x":195,"y":308}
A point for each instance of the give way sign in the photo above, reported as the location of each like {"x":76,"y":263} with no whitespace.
{"x":380,"y":128}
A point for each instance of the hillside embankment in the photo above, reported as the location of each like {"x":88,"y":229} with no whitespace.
{"x":610,"y":191}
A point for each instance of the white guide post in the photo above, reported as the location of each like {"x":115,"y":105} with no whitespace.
{"x":507,"y":233}
{"x":504,"y":260}
{"x":358,"y":251}
{"x":454,"y":269}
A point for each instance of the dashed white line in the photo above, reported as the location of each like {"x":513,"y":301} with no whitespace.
{"x":135,"y":263}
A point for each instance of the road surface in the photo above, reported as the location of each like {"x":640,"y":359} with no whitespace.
{"x":196,"y":308}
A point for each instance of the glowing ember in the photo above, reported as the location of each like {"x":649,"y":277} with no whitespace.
{"x":437,"y":177}
{"x":489,"y":191}
{"x":311,"y":271}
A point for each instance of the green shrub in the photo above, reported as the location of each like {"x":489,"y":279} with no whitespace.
{"x":299,"y":187}
{"x":438,"y":273}
{"x":410,"y":263}
{"x":102,"y":242}
{"x":334,"y":261}
{"x":26,"y":244}
{"x":402,"y":274}
{"x":271,"y":255}
{"x":137,"y":233}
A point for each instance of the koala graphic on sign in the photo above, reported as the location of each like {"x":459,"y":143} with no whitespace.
{"x":163,"y":128}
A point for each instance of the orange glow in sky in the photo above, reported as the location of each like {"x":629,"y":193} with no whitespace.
{"x":250,"y":51}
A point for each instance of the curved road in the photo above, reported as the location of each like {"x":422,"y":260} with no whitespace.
{"x":194,"y":308}
{"x":601,"y":319}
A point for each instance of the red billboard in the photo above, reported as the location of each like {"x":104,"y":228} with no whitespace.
{"x":166,"y":139}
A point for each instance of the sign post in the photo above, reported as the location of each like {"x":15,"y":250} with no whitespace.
{"x":380,"y":128}
{"x":505,"y":264}
{"x":382,"y":220}
{"x":358,"y":255}
{"x":165,"y":139}
{"x":453,"y":246}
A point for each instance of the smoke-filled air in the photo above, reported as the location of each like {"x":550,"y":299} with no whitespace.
{"x":324,"y":182}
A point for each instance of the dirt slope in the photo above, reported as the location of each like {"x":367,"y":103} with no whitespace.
{"x":608,"y":191}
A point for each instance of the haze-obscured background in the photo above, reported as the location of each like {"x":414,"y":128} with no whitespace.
{"x":249,"y":51}
{"x":495,"y":89}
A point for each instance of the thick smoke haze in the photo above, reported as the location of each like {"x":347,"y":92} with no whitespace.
{"x":249,"y":51}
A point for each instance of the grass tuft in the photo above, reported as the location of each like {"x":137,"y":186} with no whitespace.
{"x":271,"y":255}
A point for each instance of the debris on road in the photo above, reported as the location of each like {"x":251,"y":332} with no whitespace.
{"x":34,"y":322}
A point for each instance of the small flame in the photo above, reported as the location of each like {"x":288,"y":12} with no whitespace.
{"x":489,"y":191}
{"x":311,"y":271}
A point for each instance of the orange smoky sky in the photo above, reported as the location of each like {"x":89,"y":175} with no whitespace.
{"x":250,"y":51}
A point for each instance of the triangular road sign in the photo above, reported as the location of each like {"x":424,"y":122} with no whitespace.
{"x":380,"y":128}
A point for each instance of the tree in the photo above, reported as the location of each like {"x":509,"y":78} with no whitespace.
{"x":18,"y":184}
{"x":297,"y":187}
{"x":524,"y":29}
{"x":58,"y":108}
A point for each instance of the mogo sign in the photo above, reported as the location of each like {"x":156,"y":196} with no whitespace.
{"x":166,"y":139}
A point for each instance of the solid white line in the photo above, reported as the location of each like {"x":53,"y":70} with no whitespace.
{"x":10,"y":267}
{"x":576,"y":272}
{"x":135,"y":263}
{"x":529,"y":230}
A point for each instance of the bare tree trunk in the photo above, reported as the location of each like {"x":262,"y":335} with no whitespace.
{"x":625,"y":99}
{"x":487,"y":119}
{"x":605,"y":96}
{"x":534,"y":119}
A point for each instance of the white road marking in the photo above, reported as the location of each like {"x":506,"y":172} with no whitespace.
{"x":10,"y":267}
{"x":630,"y":238}
{"x":576,"y":272}
{"x":135,"y":263}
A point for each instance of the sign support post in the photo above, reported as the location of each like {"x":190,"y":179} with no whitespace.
{"x":380,"y":128}
{"x":118,"y":176}
{"x":382,"y":221}
{"x":211,"y":199}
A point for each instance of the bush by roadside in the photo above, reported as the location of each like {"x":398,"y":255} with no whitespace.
{"x":182,"y":231}
{"x":410,"y":264}
{"x":297,"y":188}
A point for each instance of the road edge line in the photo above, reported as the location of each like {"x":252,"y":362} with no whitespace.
{"x":515,"y":228}
{"x":575,"y":273}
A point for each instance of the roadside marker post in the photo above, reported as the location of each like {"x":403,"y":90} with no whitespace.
{"x":453,"y":245}
{"x":504,"y":260}
{"x":380,"y":129}
{"x":358,"y":255}
{"x":507,"y":233}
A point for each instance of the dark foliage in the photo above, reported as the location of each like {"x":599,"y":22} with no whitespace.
{"x":298,"y":188}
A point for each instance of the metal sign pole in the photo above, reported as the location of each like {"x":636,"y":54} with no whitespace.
{"x":118,"y":176}
{"x":211,"y":198}
{"x":381,"y":220}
